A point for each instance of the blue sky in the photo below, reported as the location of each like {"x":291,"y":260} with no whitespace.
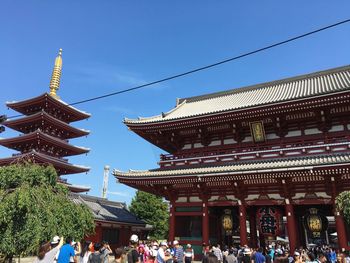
{"x":114,"y":45}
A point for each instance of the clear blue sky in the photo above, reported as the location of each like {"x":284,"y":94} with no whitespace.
{"x":113,"y":45}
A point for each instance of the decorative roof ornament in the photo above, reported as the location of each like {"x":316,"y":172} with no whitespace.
{"x":56,"y":75}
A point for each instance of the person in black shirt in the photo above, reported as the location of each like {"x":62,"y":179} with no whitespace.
{"x":133,"y":255}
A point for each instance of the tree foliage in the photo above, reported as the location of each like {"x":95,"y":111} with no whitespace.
{"x":34,"y":208}
{"x":154,"y":210}
{"x":343,"y":204}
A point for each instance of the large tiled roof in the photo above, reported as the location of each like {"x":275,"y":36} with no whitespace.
{"x":242,"y":167}
{"x":305,"y":86}
{"x":105,"y":210}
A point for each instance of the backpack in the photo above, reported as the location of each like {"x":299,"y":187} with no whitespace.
{"x":95,"y":258}
{"x":129,"y":255}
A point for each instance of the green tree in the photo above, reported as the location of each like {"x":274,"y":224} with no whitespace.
{"x":154,"y":210}
{"x":34,"y":208}
{"x":343,"y":204}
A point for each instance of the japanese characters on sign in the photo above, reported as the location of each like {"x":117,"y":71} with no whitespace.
{"x":269,"y":221}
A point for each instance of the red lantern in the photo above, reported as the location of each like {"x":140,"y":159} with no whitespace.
{"x":269,"y":220}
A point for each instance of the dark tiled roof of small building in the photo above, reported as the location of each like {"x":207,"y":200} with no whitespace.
{"x":105,"y":210}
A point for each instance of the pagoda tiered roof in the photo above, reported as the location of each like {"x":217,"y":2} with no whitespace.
{"x":62,"y":166}
{"x":42,"y":120}
{"x":294,"y":89}
{"x":74,"y":188}
{"x":55,"y":107}
{"x":42,"y":142}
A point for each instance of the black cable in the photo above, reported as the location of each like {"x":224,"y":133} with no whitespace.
{"x":209,"y":66}
{"x":214,"y":64}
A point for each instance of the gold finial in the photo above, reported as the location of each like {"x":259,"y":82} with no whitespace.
{"x":56,"y":75}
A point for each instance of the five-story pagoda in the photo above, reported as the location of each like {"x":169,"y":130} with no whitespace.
{"x":46,"y":131}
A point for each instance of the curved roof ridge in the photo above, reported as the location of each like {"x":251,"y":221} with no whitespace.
{"x":43,"y":112}
{"x":265,"y":84}
{"x":305,"y":86}
{"x":15,"y":104}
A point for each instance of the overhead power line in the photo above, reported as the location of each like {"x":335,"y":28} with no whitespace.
{"x":211,"y":65}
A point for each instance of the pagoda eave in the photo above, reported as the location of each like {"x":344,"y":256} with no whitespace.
{"x":76,"y":188}
{"x":47,"y":101}
{"x":22,"y":124}
{"x":38,"y":138}
{"x":61,"y":166}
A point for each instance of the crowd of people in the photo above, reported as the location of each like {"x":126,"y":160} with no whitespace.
{"x":172,"y":252}
{"x":275,"y":253}
{"x":137,"y":252}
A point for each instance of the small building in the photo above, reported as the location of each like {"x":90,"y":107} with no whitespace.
{"x":255,"y":164}
{"x":113,"y":222}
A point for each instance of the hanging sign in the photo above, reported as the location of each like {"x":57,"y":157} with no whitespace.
{"x":257,"y":131}
{"x":227,"y":222}
{"x":315,"y":222}
{"x":269,"y":221}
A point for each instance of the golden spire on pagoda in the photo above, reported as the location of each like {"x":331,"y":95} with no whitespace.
{"x":56,"y":75}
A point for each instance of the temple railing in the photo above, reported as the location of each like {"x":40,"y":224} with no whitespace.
{"x":266,"y":151}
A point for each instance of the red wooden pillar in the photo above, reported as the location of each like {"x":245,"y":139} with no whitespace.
{"x":242,"y":224}
{"x":252,"y":226}
{"x":341,"y":231}
{"x":205,"y":222}
{"x":172,"y":221}
{"x":291,"y":225}
{"x":339,"y":220}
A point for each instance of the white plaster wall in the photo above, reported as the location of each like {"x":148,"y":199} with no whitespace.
{"x":195,"y":199}
{"x":337,"y":128}
{"x":215,"y":143}
{"x":270,"y":136}
{"x":312,"y":131}
{"x":229,"y":141}
{"x":294,"y":133}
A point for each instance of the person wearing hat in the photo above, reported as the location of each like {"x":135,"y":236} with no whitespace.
{"x":297,"y":257}
{"x":178,"y":252}
{"x":132,"y":255}
{"x":246,"y":255}
{"x":161,"y":257}
{"x":189,"y":254}
{"x":48,"y":250}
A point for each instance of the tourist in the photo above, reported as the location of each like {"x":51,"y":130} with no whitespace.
{"x":231,"y":258}
{"x":217,"y":252}
{"x":48,"y":250}
{"x":246,"y":255}
{"x":85,"y":252}
{"x":189,"y":254}
{"x":152,"y":254}
{"x":321,"y":258}
{"x":133,"y":255}
{"x":67,"y":251}
{"x":178,"y":252}
{"x":119,"y":255}
{"x":258,"y":257}
{"x":77,"y":250}
{"x":161,"y":257}
{"x":168,"y":255}
{"x":96,"y":256}
{"x":297,"y":257}
{"x":268,"y":258}
{"x":332,"y":255}
{"x":105,"y":251}
{"x":142,"y":253}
